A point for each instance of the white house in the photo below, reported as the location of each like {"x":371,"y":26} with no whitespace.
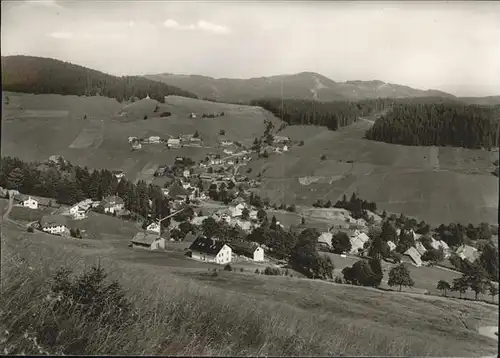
{"x":173,"y":143}
{"x":53,"y":224}
{"x":215,"y":161}
{"x":119,"y":174}
{"x":325,"y":239}
{"x":148,"y":241}
{"x":392,"y":246}
{"x":136,"y":145}
{"x":228,"y":151}
{"x":192,"y":115}
{"x":280,"y":139}
{"x":154,"y":139}
{"x":210,"y":250}
{"x":358,"y":241}
{"x":132,"y":139}
{"x":467,"y":252}
{"x":186,"y":173}
{"x":251,"y":250}
{"x":226,"y":142}
{"x":285,"y":148}
{"x":253,"y":214}
{"x":112,"y":204}
{"x":30,"y":203}
{"x":77,"y":212}
{"x":154,"y":227}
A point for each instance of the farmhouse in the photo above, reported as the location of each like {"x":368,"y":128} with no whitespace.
{"x":148,"y":241}
{"x":325,"y":240}
{"x":136,"y":145}
{"x":56,"y":159}
{"x":186,"y":173}
{"x":112,"y":204}
{"x":30,"y":203}
{"x":252,"y":250}
{"x":358,"y":241}
{"x":412,"y":256}
{"x":132,"y":139}
{"x":226,"y":142}
{"x":280,"y":139}
{"x":46,"y":202}
{"x":228,"y":151}
{"x":173,"y":143}
{"x":392,"y":246}
{"x":467,"y":252}
{"x":119,"y":174}
{"x":154,"y":139}
{"x":53,"y":224}
{"x":77,"y":212}
{"x":153,"y":228}
{"x":210,"y":250}
{"x":192,"y":115}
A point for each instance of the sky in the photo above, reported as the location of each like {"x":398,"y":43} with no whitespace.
{"x":450,"y":46}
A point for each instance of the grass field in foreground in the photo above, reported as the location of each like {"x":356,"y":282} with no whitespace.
{"x":188,"y":312}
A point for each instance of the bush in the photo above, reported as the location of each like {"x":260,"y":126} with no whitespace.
{"x":257,"y":271}
{"x":222,"y":132}
{"x":145,"y":117}
{"x":228,"y":268}
{"x":301,"y":143}
{"x":272,"y":271}
{"x":338,"y":279}
{"x":323,"y":157}
{"x":165,"y":114}
{"x":241,"y":269}
{"x":30,"y":229}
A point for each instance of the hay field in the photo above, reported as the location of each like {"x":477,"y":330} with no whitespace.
{"x":282,"y":315}
{"x":430,"y":183}
{"x":101,"y":140}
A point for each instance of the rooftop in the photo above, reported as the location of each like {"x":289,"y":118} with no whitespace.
{"x":206,"y":245}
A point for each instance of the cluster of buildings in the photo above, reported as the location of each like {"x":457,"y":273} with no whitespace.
{"x":220,"y":252}
{"x":185,"y":140}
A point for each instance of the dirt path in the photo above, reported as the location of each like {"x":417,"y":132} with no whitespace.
{"x":7,"y":212}
{"x":489,"y":331}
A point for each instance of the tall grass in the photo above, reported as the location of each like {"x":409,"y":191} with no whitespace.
{"x":179,"y":315}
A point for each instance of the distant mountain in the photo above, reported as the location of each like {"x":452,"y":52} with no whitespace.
{"x":484,"y":101}
{"x":304,"y":85}
{"x":45,"y":75}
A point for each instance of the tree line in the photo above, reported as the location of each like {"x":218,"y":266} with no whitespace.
{"x":69,"y":184}
{"x":440,"y":124}
{"x":332,"y":115}
{"x":44,"y":75}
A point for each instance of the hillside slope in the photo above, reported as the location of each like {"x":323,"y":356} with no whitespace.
{"x":45,"y":75}
{"x":304,"y":85}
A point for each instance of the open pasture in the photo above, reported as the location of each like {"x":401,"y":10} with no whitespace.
{"x":418,"y":181}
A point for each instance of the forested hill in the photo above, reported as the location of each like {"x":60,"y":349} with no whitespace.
{"x":440,"y":124}
{"x":45,"y":75}
{"x":332,"y":115}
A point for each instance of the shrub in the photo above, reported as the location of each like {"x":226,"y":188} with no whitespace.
{"x":228,"y":268}
{"x":145,"y":117}
{"x":30,"y":229}
{"x":165,"y":114}
{"x":323,"y":157}
{"x":222,"y":132}
{"x":301,"y":143}
{"x":257,"y":271}
{"x":241,"y":269}
{"x":272,"y":271}
{"x":338,"y":279}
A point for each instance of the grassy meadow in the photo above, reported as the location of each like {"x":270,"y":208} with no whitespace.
{"x":184,"y":310}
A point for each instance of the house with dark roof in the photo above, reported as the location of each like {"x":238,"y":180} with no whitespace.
{"x":112,"y":204}
{"x":146,"y":240}
{"x":54,"y":224}
{"x":45,"y":202}
{"x":210,"y":250}
{"x":252,"y":250}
